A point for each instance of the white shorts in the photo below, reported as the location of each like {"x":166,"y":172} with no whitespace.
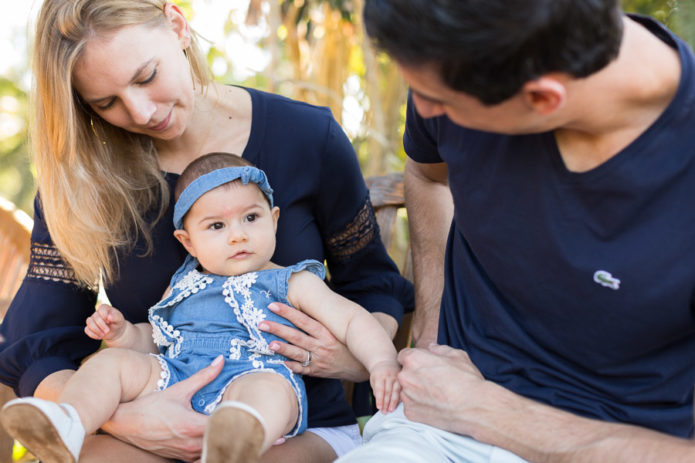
{"x":393,"y":437}
{"x":341,"y":438}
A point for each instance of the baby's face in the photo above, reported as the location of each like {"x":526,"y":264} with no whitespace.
{"x":231,"y":229}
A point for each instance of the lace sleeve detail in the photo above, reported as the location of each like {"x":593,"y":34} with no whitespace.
{"x":46,"y":263}
{"x":356,"y":235}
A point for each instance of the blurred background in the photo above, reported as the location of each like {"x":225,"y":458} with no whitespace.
{"x":311,"y":50}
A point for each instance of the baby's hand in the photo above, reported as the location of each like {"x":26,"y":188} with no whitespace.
{"x":385,"y":385}
{"x":105,"y":323}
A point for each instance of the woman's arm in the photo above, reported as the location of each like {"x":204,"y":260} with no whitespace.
{"x":43,"y":330}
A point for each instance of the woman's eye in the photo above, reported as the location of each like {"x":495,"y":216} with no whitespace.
{"x":149,"y":79}
{"x":106,"y":106}
{"x":251,"y":217}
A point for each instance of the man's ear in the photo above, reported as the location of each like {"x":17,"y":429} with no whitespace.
{"x":182,"y":236}
{"x":545,"y":94}
{"x":177,"y":22}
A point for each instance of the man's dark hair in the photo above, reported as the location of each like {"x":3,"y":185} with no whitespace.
{"x":490,"y":48}
{"x":204,"y":165}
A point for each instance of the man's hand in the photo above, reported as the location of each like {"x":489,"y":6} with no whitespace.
{"x":441,"y":387}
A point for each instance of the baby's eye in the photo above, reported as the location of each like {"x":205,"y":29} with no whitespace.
{"x":216,"y":226}
{"x":251,"y":217}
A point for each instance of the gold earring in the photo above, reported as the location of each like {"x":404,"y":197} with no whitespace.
{"x":94,"y":130}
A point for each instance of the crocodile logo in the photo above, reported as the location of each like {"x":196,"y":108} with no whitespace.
{"x":606,"y":279}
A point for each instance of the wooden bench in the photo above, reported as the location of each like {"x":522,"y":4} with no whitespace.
{"x":386,"y":194}
{"x":15,"y":247}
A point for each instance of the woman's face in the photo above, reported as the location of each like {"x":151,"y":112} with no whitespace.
{"x":138,"y":77}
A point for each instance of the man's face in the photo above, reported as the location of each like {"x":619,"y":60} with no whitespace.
{"x":433,"y":98}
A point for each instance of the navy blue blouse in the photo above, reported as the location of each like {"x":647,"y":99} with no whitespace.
{"x":325,"y":214}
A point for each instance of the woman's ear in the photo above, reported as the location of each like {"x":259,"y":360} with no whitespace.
{"x":184,"y":238}
{"x":545,"y":94}
{"x":177,"y":22}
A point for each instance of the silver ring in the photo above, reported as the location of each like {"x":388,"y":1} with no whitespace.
{"x":306,"y":362}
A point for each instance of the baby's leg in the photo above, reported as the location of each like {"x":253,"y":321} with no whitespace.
{"x":234,"y":434}
{"x":55,"y":432}
{"x":110,"y":377}
{"x":272,"y":396}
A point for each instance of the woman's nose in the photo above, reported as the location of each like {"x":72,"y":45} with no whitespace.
{"x":140,"y":109}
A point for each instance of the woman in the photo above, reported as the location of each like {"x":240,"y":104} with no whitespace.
{"x":123,"y":102}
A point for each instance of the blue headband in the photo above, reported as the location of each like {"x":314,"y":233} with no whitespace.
{"x":207,"y":182}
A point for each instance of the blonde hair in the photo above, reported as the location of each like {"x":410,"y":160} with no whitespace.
{"x":97,"y":182}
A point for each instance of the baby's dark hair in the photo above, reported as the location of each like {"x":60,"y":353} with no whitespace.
{"x":206,"y":164}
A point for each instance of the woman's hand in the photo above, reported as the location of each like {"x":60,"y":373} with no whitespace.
{"x":329,"y":357}
{"x":164,"y":422}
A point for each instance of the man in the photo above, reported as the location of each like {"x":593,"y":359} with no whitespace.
{"x":565,"y":132}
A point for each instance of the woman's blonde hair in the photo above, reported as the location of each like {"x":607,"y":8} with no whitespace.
{"x":97,"y":182}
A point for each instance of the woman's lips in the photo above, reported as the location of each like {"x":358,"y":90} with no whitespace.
{"x":162,"y":125}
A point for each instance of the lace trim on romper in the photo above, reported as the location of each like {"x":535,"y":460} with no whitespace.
{"x":356,"y":235}
{"x":163,"y":333}
{"x":255,"y":348}
{"x":46,"y":263}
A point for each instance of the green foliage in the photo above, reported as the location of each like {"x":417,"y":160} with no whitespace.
{"x":677,"y":15}
{"x":17,"y":176}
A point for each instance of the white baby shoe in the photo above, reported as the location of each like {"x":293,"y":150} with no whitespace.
{"x":44,"y":428}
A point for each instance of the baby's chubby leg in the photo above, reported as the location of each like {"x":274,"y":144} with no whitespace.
{"x":110,"y":377}
{"x":256,"y":410}
{"x":55,"y":432}
{"x":272,"y":396}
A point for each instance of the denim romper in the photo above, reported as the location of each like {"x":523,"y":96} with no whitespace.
{"x":206,"y":315}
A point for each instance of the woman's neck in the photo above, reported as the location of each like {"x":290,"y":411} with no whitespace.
{"x":174,"y":155}
{"x":221,"y":121}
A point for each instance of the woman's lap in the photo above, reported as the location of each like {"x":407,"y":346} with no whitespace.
{"x":323,"y":444}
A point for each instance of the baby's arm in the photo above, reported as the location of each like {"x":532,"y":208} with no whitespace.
{"x":107,"y":323}
{"x":352,"y":325}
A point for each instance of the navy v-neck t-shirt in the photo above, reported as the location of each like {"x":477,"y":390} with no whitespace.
{"x":575,"y":289}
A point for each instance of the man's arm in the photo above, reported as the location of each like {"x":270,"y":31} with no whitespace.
{"x":430,"y":211}
{"x":534,"y":431}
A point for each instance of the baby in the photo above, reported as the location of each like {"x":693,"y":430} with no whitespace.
{"x":225,"y":218}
